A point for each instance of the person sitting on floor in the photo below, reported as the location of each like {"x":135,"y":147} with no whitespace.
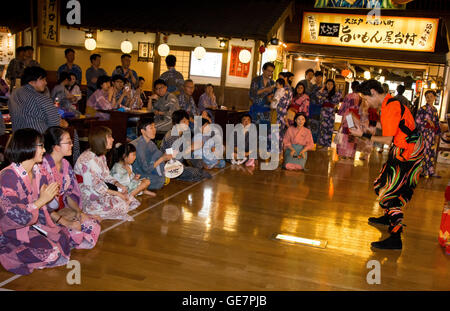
{"x":297,"y":141}
{"x":29,"y":237}
{"x":150,"y":161}
{"x":193,"y":168}
{"x":246,"y":121}
{"x":123,"y":171}
{"x":101,"y":193}
{"x":204,"y":148}
{"x":66,"y":209}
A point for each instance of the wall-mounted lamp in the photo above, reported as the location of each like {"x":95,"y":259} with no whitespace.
{"x":274,"y":41}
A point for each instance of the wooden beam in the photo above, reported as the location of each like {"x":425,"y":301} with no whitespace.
{"x":368,"y":54}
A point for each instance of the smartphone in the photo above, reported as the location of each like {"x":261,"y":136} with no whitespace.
{"x":350,"y":122}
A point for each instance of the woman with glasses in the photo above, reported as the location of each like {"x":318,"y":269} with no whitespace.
{"x":67,"y":206}
{"x":29,"y":238}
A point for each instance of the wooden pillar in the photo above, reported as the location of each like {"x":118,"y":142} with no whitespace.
{"x":223,"y":77}
{"x":156,"y":58}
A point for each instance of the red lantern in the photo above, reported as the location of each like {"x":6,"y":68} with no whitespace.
{"x":419,"y":84}
{"x":345,"y":72}
{"x":262,"y":49}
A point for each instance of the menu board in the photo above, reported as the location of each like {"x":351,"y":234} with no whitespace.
{"x":209,"y":66}
{"x":7,"y":48}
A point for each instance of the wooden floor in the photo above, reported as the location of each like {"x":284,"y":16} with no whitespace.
{"x":217,"y":235}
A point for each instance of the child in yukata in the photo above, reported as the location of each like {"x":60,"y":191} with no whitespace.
{"x":279,"y":93}
{"x":204,"y":147}
{"x":246,"y":122}
{"x":123,"y":172}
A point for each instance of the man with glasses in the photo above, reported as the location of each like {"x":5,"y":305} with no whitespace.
{"x":163,"y":107}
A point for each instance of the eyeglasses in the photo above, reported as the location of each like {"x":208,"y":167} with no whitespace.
{"x":39,"y":145}
{"x":67,"y":143}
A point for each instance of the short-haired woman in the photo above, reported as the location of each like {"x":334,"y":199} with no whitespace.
{"x":103,"y":98}
{"x":297,"y":141}
{"x":67,"y":206}
{"x":207,"y":100}
{"x":427,"y":121}
{"x":29,"y":239}
{"x":102,"y":194}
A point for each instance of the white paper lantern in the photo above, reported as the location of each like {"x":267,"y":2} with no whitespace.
{"x":163,"y":50}
{"x":126,"y":46}
{"x":90,"y":44}
{"x":271,"y":54}
{"x":199,"y":52}
{"x":367,"y":75}
{"x":245,"y":56}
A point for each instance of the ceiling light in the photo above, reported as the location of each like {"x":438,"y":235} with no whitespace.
{"x":367,"y":75}
{"x":126,"y":46}
{"x":245,"y":56}
{"x":382,"y":79}
{"x":89,"y":43}
{"x":199,"y":52}
{"x":271,"y":53}
{"x":222,"y":43}
{"x":433,"y":85}
{"x":163,"y":50}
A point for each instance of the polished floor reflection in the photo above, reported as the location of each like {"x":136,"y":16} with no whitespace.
{"x":217,"y":235}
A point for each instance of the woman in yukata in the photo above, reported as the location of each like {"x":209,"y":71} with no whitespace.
{"x":300,"y":101}
{"x":346,"y":147}
{"x":102,"y":194}
{"x":297,"y":141}
{"x":427,"y":122}
{"x":66,"y":208}
{"x":29,"y":239}
{"x":329,"y":100}
{"x":123,"y":172}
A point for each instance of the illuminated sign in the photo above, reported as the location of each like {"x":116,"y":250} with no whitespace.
{"x":384,"y":32}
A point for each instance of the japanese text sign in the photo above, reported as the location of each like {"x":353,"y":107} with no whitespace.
{"x":49,"y":21}
{"x":385,"y":32}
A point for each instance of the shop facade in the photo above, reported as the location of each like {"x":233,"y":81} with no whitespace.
{"x":400,"y":46}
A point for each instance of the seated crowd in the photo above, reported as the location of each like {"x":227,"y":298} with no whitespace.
{"x":49,"y":208}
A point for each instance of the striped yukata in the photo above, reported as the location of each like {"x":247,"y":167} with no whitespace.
{"x":30,"y":109}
